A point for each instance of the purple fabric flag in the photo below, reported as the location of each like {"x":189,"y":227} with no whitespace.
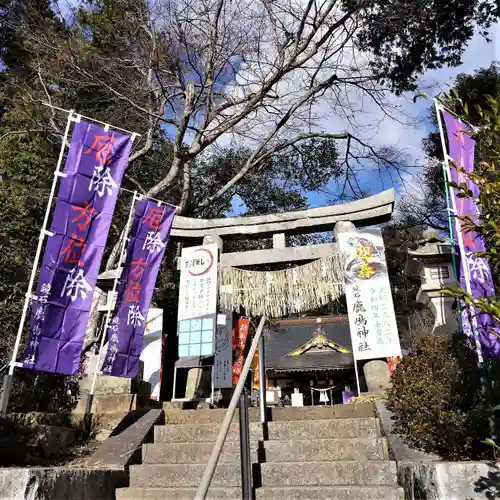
{"x":461,"y":146}
{"x":147,"y":243}
{"x":85,"y":204}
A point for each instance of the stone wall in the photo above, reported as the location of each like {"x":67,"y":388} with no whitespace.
{"x":427,"y":477}
{"x":35,"y":439}
{"x":60,"y":484}
{"x":450,"y":481}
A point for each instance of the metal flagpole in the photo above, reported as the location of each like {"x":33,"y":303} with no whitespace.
{"x":8,"y":378}
{"x":90,"y":397}
{"x":485,"y":389}
{"x":452,"y":237}
{"x":464,"y":266}
{"x":357,"y":374}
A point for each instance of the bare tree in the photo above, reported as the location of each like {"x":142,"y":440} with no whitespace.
{"x":267,"y":74}
{"x":264,"y":73}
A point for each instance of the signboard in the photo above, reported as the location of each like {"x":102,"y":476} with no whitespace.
{"x":197,"y":301}
{"x":372,"y":321}
{"x":151,"y":354}
{"x":223,"y":352}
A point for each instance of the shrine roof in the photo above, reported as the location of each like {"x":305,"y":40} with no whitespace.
{"x":309,"y":346}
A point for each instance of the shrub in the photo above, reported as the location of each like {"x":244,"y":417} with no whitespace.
{"x":437,"y":400}
{"x":44,"y":392}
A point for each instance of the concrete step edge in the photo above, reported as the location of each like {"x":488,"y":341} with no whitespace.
{"x":284,"y":463}
{"x":333,"y":487}
{"x":204,"y":443}
{"x":276,"y":422}
{"x":184,"y":493}
{"x":347,"y":492}
{"x":343,"y":461}
{"x":356,"y":440}
{"x":235,"y":439}
{"x":179,"y":488}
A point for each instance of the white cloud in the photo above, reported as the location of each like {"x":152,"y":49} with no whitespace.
{"x":407,"y":134}
{"x":401,"y":123}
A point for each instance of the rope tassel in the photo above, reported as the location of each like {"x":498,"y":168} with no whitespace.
{"x":277,"y":293}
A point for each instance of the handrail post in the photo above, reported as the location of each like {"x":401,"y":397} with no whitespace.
{"x":262,"y":380}
{"x":201,"y":493}
{"x":246,"y":464}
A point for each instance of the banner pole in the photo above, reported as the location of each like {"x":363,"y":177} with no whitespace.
{"x":483,"y":375}
{"x":8,"y":378}
{"x":90,"y":397}
{"x":357,"y":375}
{"x":458,"y":229}
{"x":452,"y":237}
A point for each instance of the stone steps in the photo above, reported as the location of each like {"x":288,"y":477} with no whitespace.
{"x":305,"y":450}
{"x":176,"y":416}
{"x":332,"y":456}
{"x":177,"y":494}
{"x":182,"y":475}
{"x":192,"y":453}
{"x":269,"y":451}
{"x":330,"y":493}
{"x":285,"y":430}
{"x":341,"y":472}
{"x":279,"y":493}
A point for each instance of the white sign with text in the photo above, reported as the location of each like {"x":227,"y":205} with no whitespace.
{"x":198,"y":282}
{"x":374,"y":332}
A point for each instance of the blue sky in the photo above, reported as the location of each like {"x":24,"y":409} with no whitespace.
{"x":392,"y":133}
{"x":478,"y":54}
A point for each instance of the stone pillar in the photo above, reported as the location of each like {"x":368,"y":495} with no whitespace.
{"x":377,"y":375}
{"x":198,"y":383}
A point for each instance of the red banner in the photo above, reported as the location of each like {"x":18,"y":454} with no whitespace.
{"x":239,"y":341}
{"x":393,"y":362}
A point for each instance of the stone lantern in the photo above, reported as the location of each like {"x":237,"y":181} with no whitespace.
{"x":432,"y":260}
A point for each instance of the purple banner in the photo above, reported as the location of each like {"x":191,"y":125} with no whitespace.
{"x":85,"y":204}
{"x":147,"y":243}
{"x":461,"y":147}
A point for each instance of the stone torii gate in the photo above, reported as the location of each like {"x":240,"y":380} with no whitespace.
{"x":366,"y":212}
{"x":369,"y":211}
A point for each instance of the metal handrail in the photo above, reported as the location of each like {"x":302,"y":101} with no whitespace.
{"x":201,"y":492}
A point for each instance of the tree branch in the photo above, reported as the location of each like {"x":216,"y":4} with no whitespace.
{"x":19,"y":132}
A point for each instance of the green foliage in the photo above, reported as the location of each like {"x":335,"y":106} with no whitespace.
{"x":436,"y":395}
{"x":469,"y":90}
{"x":26,"y":166}
{"x":486,"y":176}
{"x":437,"y":402}
{"x":43,"y":392}
{"x":409,"y":37}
